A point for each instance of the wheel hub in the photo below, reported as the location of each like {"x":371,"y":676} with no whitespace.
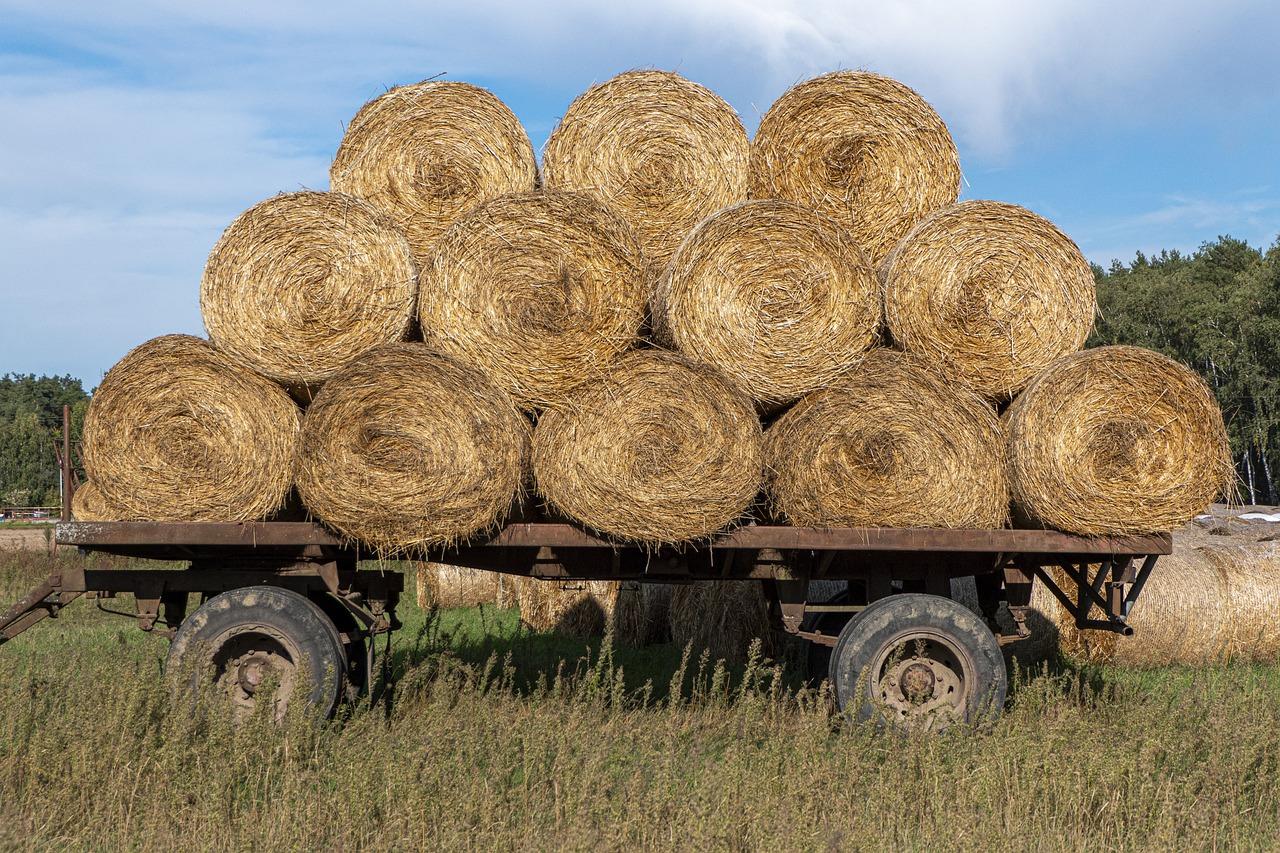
{"x":918,"y":682}
{"x":922,"y":682}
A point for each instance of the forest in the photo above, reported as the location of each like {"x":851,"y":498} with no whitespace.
{"x":1216,"y":309}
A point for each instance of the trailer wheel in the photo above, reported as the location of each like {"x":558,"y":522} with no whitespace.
{"x":918,"y":662}
{"x":246,"y":639}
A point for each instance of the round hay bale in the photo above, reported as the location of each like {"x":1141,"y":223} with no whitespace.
{"x":892,"y":445}
{"x":406,"y":447}
{"x":989,"y":293}
{"x":1116,"y":439}
{"x":443,"y":585}
{"x":660,"y":450}
{"x":583,"y":609}
{"x":722,"y":617}
{"x":661,"y":150}
{"x":540,"y":291}
{"x":775,"y":296}
{"x":87,"y":504}
{"x":1202,"y":606}
{"x":862,"y":149}
{"x":427,"y":153}
{"x":179,"y":431}
{"x":300,"y":284}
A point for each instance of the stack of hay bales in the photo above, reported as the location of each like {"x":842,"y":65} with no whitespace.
{"x":615,"y":338}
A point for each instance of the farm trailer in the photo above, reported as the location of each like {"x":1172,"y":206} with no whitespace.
{"x":274,"y":595}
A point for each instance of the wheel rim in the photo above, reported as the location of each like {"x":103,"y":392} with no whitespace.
{"x":922,"y":680}
{"x":247,"y":664}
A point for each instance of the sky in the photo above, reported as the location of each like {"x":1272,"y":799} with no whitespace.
{"x":133,"y":132}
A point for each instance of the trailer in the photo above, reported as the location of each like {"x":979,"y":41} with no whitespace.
{"x":288,"y":603}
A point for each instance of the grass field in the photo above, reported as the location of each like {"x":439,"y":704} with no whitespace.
{"x":498,"y":739}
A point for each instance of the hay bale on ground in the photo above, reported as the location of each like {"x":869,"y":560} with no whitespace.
{"x":541,"y":292}
{"x":584,"y":609}
{"x":662,"y":151}
{"x":179,"y":431}
{"x":87,"y":504}
{"x":722,"y":617}
{"x":775,"y":296}
{"x":990,"y":294}
{"x":300,"y":284}
{"x":406,"y":447}
{"x":892,"y":445}
{"x":426,"y":153}
{"x":660,"y":450}
{"x":443,"y":585}
{"x":1116,"y":440}
{"x":1203,"y":605}
{"x":862,"y":149}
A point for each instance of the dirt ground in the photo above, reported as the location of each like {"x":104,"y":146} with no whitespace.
{"x":26,"y":538}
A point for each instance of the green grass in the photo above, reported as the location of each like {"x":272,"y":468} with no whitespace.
{"x":498,"y":739}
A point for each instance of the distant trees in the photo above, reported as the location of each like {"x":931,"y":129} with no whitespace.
{"x":30,"y":424}
{"x":1217,"y":310}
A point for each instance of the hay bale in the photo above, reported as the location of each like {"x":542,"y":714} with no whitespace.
{"x":1116,"y":439}
{"x":775,"y":296}
{"x":300,"y":284}
{"x":406,"y":447}
{"x":87,"y":504}
{"x":427,"y":153}
{"x":990,"y":294}
{"x":862,"y":149}
{"x":540,"y":291}
{"x":661,"y":150}
{"x":443,"y":585}
{"x":892,"y":445}
{"x":179,"y":431}
{"x":722,"y":617}
{"x":584,"y":609}
{"x":1203,"y":605}
{"x":660,"y":450}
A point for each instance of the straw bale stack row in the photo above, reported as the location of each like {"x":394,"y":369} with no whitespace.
{"x":670,"y":330}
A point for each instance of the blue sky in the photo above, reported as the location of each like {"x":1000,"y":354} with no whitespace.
{"x":133,"y":132}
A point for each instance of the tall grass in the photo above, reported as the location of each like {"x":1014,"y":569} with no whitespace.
{"x":489,"y":740}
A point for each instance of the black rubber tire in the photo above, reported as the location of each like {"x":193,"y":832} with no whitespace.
{"x":887,"y":623}
{"x":272,"y":611}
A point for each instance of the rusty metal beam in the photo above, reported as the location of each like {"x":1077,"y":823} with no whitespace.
{"x":555,"y":535}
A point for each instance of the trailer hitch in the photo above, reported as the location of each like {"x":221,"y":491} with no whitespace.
{"x":41,"y":603}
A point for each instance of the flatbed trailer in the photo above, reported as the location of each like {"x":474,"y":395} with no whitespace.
{"x":275,"y":594}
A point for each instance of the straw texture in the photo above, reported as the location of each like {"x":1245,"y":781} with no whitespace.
{"x":540,"y":291}
{"x":301,"y":284}
{"x":584,"y":609}
{"x":87,"y":504}
{"x":443,"y":585}
{"x":892,"y":445}
{"x":1116,"y":440}
{"x":721,"y":617}
{"x":990,"y":294}
{"x":1205,"y":605}
{"x":862,"y":149}
{"x":663,"y":151}
{"x":178,"y":431}
{"x":661,"y":450}
{"x":408,"y":448}
{"x":776,"y":297}
{"x":427,"y":153}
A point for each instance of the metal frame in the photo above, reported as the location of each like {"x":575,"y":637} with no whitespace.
{"x":305,"y":555}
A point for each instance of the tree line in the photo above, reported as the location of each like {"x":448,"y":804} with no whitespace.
{"x":30,"y":428}
{"x":1216,"y":309}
